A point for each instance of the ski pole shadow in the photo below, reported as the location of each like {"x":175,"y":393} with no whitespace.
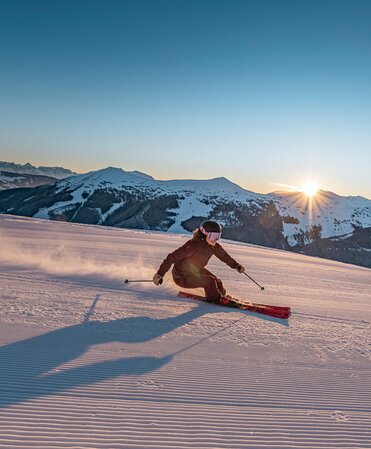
{"x":90,"y":312}
{"x":29,"y":367}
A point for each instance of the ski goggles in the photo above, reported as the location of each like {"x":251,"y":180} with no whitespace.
{"x":213,"y":236}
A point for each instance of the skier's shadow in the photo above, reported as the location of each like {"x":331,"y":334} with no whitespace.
{"x":29,"y":368}
{"x":25,"y":365}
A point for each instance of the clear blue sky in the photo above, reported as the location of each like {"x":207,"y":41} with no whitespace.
{"x":261,"y":92}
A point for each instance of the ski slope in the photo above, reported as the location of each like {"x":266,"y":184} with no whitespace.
{"x":87,"y":362}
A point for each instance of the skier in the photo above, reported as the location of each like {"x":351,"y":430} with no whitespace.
{"x":190,"y":260}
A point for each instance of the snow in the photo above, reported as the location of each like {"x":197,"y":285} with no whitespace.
{"x":336,"y":214}
{"x":116,"y":178}
{"x":54,"y":172}
{"x":9,"y":182}
{"x":107,"y":177}
{"x":190,"y":206}
{"x":87,"y":362}
{"x":112,"y":209}
{"x":62,"y":205}
{"x":10,"y":179}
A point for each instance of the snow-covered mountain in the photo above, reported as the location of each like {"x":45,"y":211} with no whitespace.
{"x":52,"y":172}
{"x":14,"y":176}
{"x":337,"y":215}
{"x":115,"y":197}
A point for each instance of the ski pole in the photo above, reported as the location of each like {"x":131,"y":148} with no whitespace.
{"x":126,"y":281}
{"x":261,"y":288}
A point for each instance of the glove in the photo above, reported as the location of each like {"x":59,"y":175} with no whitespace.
{"x":240,"y":268}
{"x":158,"y":279}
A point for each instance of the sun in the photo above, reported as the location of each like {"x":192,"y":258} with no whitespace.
{"x":309,"y":189}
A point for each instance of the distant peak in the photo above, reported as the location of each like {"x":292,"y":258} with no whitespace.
{"x":28,"y":168}
{"x":121,"y":172}
{"x":142,"y":175}
{"x":222,"y":179}
{"x":110,"y":169}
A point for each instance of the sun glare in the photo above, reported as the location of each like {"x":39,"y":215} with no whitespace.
{"x":309,"y":189}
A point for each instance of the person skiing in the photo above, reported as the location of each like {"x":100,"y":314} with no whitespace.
{"x":190,"y":260}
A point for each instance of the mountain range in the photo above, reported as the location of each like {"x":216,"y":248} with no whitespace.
{"x":17,"y":175}
{"x":327,"y":225}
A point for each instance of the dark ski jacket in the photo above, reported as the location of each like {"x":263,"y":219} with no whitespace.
{"x":192,"y":256}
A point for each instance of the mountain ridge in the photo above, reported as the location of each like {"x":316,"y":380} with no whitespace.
{"x":14,"y":175}
{"x":28,"y":168}
{"x":115,"y":197}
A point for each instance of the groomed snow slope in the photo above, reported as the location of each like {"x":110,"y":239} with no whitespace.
{"x":89,"y":363}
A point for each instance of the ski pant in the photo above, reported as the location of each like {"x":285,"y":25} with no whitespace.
{"x":213,"y":286}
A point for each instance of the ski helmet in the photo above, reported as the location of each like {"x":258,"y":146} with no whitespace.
{"x":211,"y":229}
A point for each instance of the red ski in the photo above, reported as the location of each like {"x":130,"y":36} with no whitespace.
{"x":228,"y":301}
